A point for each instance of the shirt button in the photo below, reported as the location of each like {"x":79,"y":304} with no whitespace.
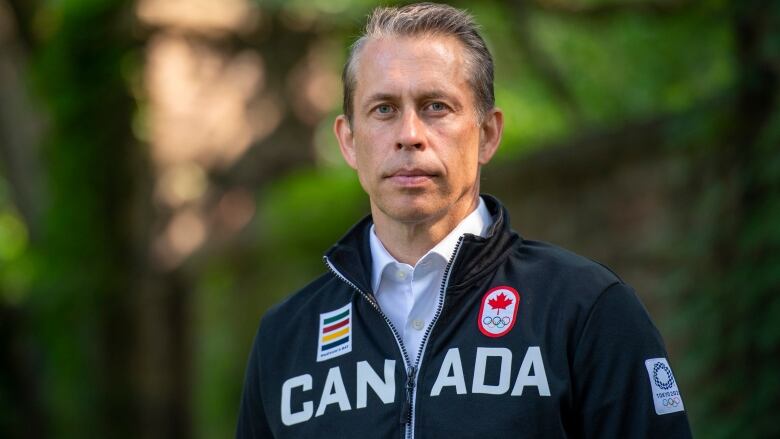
{"x":418,"y":324}
{"x":400,"y":274}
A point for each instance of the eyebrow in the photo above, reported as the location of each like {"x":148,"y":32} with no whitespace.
{"x":434,"y":94}
{"x":381,"y":97}
{"x":429,"y":94}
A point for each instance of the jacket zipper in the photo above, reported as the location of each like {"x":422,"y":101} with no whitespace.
{"x":412,"y":372}
{"x":416,"y":369}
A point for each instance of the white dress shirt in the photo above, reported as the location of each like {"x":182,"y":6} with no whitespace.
{"x":409,"y":295}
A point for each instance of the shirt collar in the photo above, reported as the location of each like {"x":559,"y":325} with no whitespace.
{"x":476,"y":223}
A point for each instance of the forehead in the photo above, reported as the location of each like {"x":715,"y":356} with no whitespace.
{"x":402,"y":64}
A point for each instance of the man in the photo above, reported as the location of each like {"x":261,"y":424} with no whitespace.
{"x":435,"y":319}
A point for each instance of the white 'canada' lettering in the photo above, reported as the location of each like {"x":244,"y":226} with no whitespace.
{"x":451,"y":363}
{"x":451,"y":373}
{"x":334,"y":392}
{"x":533,"y":358}
{"x":480,"y":364}
{"x":530,"y":374}
{"x":366,"y":376}
{"x":288,"y":417}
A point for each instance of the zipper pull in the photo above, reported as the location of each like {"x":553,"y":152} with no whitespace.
{"x":406,"y":409}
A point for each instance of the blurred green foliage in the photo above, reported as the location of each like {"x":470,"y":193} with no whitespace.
{"x":78,"y":266}
{"x":15,"y":265}
{"x":74,"y":285}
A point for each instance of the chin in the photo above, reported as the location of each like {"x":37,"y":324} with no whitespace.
{"x":409,"y":209}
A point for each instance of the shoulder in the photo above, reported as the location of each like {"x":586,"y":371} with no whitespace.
{"x":292,"y":321}
{"x":556,"y":263}
{"x":599,"y":309}
{"x":306,"y":300}
{"x":565,"y":286}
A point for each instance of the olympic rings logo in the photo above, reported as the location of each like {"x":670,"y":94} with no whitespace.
{"x":666,"y":385}
{"x":671,"y":402}
{"x":498,"y":322}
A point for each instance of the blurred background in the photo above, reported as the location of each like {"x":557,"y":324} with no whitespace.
{"x":167,"y":172}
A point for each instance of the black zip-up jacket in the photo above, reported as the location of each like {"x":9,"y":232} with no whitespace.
{"x":528,"y":340}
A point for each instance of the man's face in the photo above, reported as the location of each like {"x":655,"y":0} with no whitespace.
{"x":415,"y":138}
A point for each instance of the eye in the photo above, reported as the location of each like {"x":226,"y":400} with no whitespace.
{"x":384,"y":109}
{"x":437,"y":106}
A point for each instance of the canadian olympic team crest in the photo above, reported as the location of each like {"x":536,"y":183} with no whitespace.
{"x":498,"y":312}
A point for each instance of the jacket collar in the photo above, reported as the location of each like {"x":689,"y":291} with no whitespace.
{"x":351,"y":255}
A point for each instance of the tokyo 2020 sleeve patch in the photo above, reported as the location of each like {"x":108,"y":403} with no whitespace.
{"x":666,"y":395}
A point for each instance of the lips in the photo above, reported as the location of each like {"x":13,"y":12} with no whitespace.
{"x":410,"y":177}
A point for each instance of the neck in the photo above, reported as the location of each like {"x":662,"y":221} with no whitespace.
{"x":408,"y":241}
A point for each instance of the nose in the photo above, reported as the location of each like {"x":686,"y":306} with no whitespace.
{"x":411,"y":132}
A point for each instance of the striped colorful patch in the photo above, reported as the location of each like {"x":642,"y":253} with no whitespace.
{"x":335,"y":334}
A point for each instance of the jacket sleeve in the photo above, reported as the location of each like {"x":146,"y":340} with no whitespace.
{"x":618,"y":356}
{"x":252,"y":421}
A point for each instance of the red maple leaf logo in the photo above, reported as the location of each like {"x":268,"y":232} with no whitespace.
{"x":499,"y":302}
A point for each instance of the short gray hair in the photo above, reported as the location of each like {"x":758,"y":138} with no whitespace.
{"x":427,"y":19}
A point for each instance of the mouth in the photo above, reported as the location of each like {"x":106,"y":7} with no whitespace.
{"x":411,"y":177}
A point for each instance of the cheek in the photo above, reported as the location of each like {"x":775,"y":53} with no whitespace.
{"x":368,"y":162}
{"x":364,"y":178}
{"x":362,"y":167}
{"x":465,"y":153}
{"x":464,"y":161}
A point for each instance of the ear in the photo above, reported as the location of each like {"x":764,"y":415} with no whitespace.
{"x":490,"y":135}
{"x":343,"y":132}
